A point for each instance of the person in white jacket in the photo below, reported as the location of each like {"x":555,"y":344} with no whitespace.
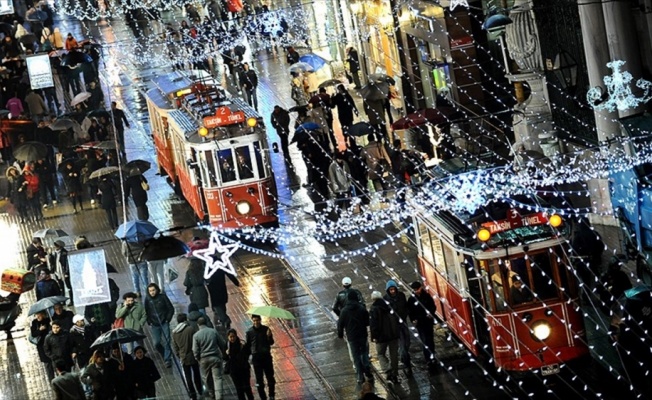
{"x":339,"y":177}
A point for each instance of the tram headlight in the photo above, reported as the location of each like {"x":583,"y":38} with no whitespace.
{"x":555,"y":220}
{"x":203,"y":131}
{"x":484,"y":234}
{"x":252,"y":122}
{"x":541,"y":330}
{"x":243,"y":207}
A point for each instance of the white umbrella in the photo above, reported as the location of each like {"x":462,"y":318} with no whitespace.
{"x":83,"y":96}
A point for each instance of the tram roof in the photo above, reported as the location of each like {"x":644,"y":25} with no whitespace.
{"x":179,"y":80}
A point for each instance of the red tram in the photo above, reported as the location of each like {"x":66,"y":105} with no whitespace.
{"x":470,"y":261}
{"x":214,"y":149}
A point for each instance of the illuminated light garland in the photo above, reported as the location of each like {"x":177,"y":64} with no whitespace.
{"x":217,"y":256}
{"x":455,"y":3}
{"x":619,"y":93}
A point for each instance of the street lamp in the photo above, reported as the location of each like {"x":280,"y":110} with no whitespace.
{"x":565,"y":69}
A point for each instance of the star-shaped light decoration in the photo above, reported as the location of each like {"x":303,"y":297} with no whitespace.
{"x":455,"y":3}
{"x":217,"y":256}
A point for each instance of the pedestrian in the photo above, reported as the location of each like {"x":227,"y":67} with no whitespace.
{"x":160,"y":311}
{"x":96,"y":101}
{"x":208,"y":347}
{"x":378,"y":163}
{"x":36,"y":256}
{"x":342,"y":297}
{"x":15,"y":106}
{"x":182,"y":346}
{"x":135,"y":186}
{"x":194,"y":313}
{"x":384,"y":328}
{"x":139,"y":279}
{"x":156,"y":269}
{"x":32,"y":185}
{"x":354,"y":65}
{"x":121,"y":368}
{"x":237,"y":365}
{"x":281,"y":123}
{"x":18,"y":195}
{"x":614,"y":282}
{"x":63,"y":317}
{"x":195,"y":284}
{"x":58,"y":346}
{"x":120,"y":120}
{"x":46,"y":286}
{"x":72,"y":179}
{"x":107,"y":191}
{"x":339,"y":177}
{"x":82,"y":337}
{"x":354,"y":320}
{"x":220,"y":296}
{"x":134,"y":315}
{"x":46,"y":176}
{"x":58,"y":260}
{"x":98,"y":377}
{"x":71,"y":42}
{"x":259,"y":338}
{"x":145,"y":374}
{"x":38,"y":330}
{"x":96,"y":133}
{"x":67,"y":385}
{"x":249,"y":82}
{"x":421,"y":309}
{"x":36,"y":106}
{"x":297,"y":92}
{"x":292,"y":56}
{"x":346,"y":108}
{"x":374,"y":109}
{"x":398,"y":303}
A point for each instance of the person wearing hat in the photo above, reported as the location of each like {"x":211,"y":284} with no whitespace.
{"x":342,"y":297}
{"x":82,"y":337}
{"x":398,"y":302}
{"x":421,"y":309}
{"x":354,"y":320}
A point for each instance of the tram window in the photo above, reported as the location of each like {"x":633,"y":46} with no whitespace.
{"x":452,"y":263}
{"x":258,"y":151}
{"x":499,"y":278}
{"x":209,"y":169}
{"x":543,"y":280}
{"x":227,"y":172}
{"x":245,"y":170}
{"x":426,"y":244}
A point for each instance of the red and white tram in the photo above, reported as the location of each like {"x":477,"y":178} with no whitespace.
{"x":214,"y":149}
{"x":472,"y":280}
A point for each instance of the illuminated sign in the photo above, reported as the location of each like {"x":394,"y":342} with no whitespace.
{"x":6,"y":7}
{"x":515,"y":220}
{"x":224,"y":116}
{"x":40,"y":72}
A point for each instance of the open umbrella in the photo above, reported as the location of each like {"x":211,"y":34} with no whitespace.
{"x":434,"y":116}
{"x":30,"y":151}
{"x":63,"y":124}
{"x":118,"y":335}
{"x":27,"y":39}
{"x":142,"y":165}
{"x":304,"y":132}
{"x":75,"y":57}
{"x":79,"y":98}
{"x":77,"y":163}
{"x":375,"y":91}
{"x":45,"y":304}
{"x":50,"y":233}
{"x":380,"y":78}
{"x":330,"y":82}
{"x":301,"y":67}
{"x":299,"y":109}
{"x":105,"y":145}
{"x":136,"y":231}
{"x":99,"y":114}
{"x":308,"y":126}
{"x":103,"y":172}
{"x":271,"y":312}
{"x":162,"y":248}
{"x":314,"y":60}
{"x":89,"y":43}
{"x":361,"y":129}
{"x":7,"y":29}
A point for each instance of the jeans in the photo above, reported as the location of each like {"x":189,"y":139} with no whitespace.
{"x":360,"y":352}
{"x":161,"y":340}
{"x":404,"y":345}
{"x":193,"y":379}
{"x":427,"y":336}
{"x":139,"y":277}
{"x":252,"y":97}
{"x":157,"y":273}
{"x":264,"y":367}
{"x":47,"y":187}
{"x":211,"y":372}
{"x":389,"y":366}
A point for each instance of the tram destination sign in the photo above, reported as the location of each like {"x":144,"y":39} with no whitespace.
{"x":515,"y":220}
{"x":224,"y":116}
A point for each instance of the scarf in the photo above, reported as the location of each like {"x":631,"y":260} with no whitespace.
{"x":78,"y":329}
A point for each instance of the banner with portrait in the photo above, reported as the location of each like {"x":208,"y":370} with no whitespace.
{"x":89,"y":277}
{"x":40,"y":71}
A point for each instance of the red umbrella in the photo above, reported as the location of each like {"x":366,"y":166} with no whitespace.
{"x":434,"y":116}
{"x":196,"y":245}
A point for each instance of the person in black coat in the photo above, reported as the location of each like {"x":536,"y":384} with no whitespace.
{"x":293,"y":56}
{"x":58,"y":346}
{"x":98,"y":376}
{"x":121,"y":369}
{"x":421,"y":309}
{"x":39,"y":329}
{"x":345,"y":109}
{"x":134,"y":186}
{"x":220,"y":296}
{"x":249,"y":82}
{"x":398,"y":302}
{"x":45,"y":173}
{"x":354,"y":65}
{"x":237,"y":365}
{"x":384,"y":328}
{"x":16,"y":192}
{"x":72,"y":179}
{"x":106,"y":190}
{"x":82,"y":337}
{"x":120,"y":120}
{"x":46,"y":286}
{"x":281,"y":122}
{"x":145,"y":374}
{"x":354,"y":319}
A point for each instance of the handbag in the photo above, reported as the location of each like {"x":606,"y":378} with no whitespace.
{"x":118,"y":323}
{"x":144,"y":184}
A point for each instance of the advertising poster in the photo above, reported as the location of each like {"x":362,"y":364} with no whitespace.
{"x":40,"y":71}
{"x":6,"y":7}
{"x":88,"y":276}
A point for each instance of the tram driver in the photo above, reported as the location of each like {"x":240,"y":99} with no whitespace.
{"x":519,"y":293}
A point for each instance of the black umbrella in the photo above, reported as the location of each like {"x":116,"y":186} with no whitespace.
{"x":99,"y":114}
{"x":75,"y":57}
{"x":27,"y":39}
{"x":239,"y":50}
{"x":299,"y":109}
{"x":103,"y":172}
{"x":31,"y":151}
{"x":330,"y":82}
{"x":45,"y":304}
{"x":106,"y":145}
{"x":77,"y":163}
{"x":7,"y":29}
{"x":142,"y":165}
{"x":375,"y":91}
{"x":119,"y":335}
{"x":380,"y":78}
{"x":361,"y":129}
{"x":63,"y":124}
{"x":162,"y":248}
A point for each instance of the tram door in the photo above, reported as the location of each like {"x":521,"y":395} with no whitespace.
{"x":476,"y":282}
{"x":200,"y":161}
